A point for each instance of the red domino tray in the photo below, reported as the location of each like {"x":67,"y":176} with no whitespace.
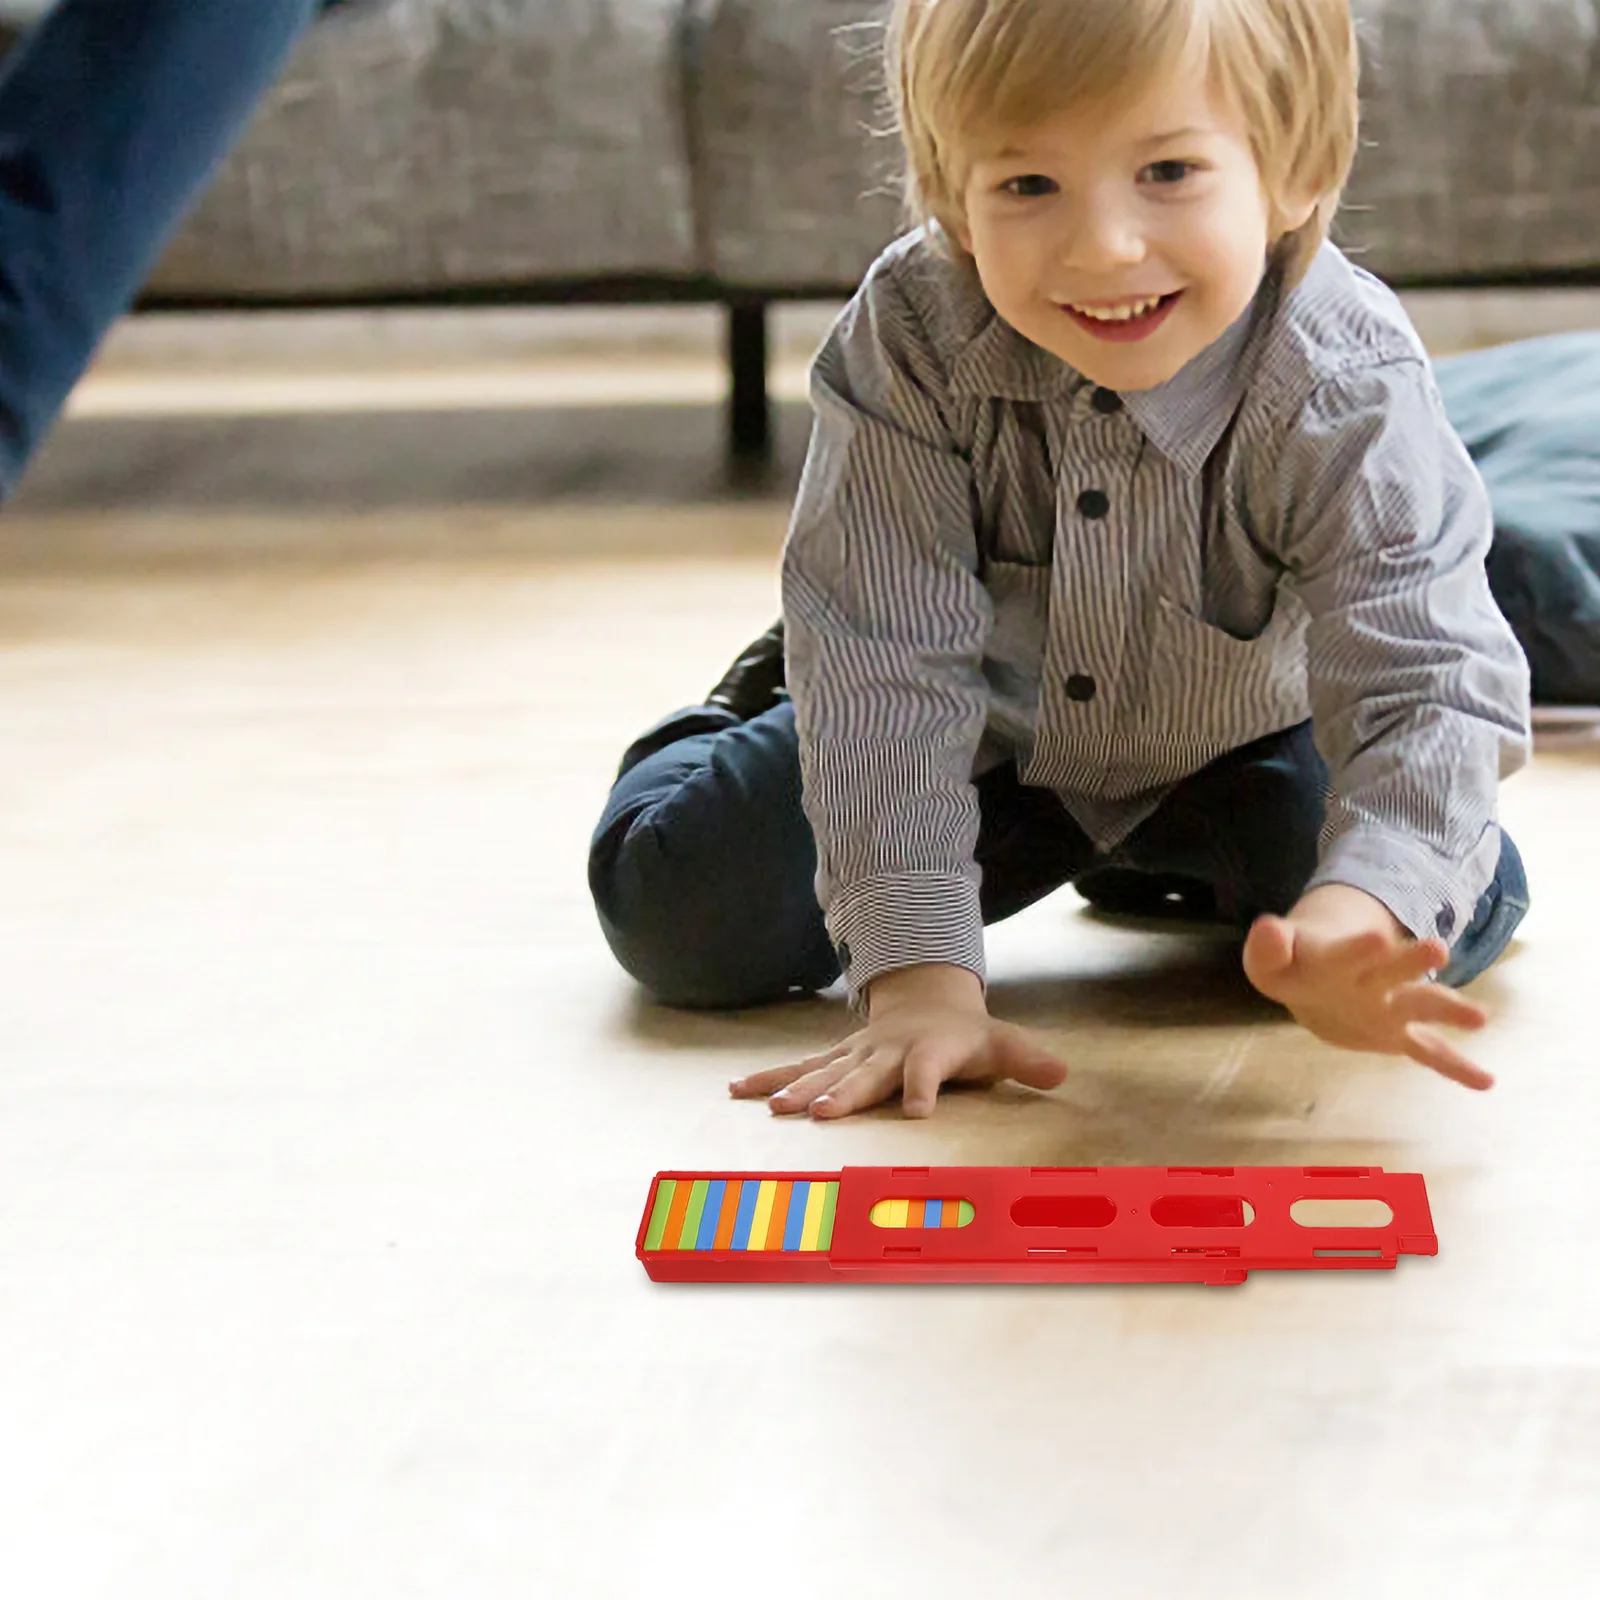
{"x":1029,"y":1224}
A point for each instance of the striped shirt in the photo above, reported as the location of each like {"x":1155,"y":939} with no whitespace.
{"x":992,"y":560}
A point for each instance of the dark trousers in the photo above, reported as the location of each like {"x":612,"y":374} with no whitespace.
{"x":113,"y":113}
{"x":703,"y":863}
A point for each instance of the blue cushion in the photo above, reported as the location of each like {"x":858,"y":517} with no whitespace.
{"x":1530,"y":415}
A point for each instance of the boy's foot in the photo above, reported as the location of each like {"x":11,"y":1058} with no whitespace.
{"x":1123,"y":892}
{"x":754,"y":683}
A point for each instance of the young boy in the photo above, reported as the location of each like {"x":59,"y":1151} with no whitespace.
{"x":1134,"y":550}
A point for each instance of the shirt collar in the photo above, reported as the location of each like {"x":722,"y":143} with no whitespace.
{"x":999,"y":364}
{"x":1184,"y":417}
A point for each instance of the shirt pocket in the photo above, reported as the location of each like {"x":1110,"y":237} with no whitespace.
{"x":1019,"y":594}
{"x":1224,"y":690}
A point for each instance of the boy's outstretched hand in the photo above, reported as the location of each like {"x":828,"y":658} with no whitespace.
{"x":1349,"y":972}
{"x":926,"y":1026}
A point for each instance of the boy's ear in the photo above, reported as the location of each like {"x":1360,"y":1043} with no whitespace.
{"x":1295,"y":212}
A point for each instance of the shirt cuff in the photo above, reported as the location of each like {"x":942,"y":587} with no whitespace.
{"x":1432,"y":897}
{"x":905,"y":920}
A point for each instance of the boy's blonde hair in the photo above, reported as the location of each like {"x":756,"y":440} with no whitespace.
{"x":967,"y":74}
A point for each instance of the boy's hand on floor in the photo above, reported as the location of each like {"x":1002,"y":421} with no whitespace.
{"x":926,"y":1026}
{"x":1347,"y":970}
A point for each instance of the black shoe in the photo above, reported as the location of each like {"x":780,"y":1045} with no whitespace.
{"x":754,"y":683}
{"x":1123,"y":892}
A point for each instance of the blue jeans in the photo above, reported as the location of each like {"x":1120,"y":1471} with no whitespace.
{"x":113,"y":113}
{"x":702,"y":865}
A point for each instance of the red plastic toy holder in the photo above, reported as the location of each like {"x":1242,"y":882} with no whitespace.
{"x":1210,"y":1225}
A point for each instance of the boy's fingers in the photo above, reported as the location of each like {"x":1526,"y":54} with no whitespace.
{"x":867,"y":1083}
{"x":1028,"y":1063}
{"x":1411,"y":962}
{"x":1268,"y":951}
{"x":758,"y":1085}
{"x":768,"y":1081}
{"x":1426,"y":1002}
{"x":1282,"y":961}
{"x":1364,"y":954}
{"x":799,"y":1094}
{"x":928,"y":1064}
{"x":1431,"y":1050}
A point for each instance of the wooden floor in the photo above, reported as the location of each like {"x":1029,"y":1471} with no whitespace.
{"x":326,"y":1123}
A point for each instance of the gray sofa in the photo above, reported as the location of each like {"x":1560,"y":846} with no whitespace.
{"x":732,"y":150}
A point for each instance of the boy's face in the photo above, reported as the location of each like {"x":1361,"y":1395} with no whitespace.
{"x":1125,"y":239}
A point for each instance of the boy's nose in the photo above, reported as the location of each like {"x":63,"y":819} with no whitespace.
{"x":1102,"y":242}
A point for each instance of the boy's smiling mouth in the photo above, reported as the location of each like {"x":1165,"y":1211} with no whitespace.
{"x":1125,"y":321}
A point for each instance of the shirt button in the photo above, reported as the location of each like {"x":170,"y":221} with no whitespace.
{"x":1080,"y":687}
{"x":1445,"y":922}
{"x":1107,"y":402}
{"x":1094,"y":503}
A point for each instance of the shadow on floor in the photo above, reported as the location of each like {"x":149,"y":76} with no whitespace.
{"x":1146,"y":1101}
{"x":1190,"y":980}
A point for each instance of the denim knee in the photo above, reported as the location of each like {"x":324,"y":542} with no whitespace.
{"x":1246,"y":827}
{"x":1499,"y":912}
{"x":702,"y":871}
{"x":645,"y":896}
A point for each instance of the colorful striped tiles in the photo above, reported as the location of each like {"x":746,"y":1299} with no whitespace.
{"x":922,"y":1213}
{"x":735,"y":1214}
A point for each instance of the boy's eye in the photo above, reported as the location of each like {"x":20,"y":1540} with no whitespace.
{"x":1167,"y":172}
{"x":1030,"y":186}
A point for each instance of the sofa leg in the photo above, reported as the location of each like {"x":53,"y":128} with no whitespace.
{"x":749,"y":411}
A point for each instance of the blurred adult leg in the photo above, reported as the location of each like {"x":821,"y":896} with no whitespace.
{"x":113,"y":114}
